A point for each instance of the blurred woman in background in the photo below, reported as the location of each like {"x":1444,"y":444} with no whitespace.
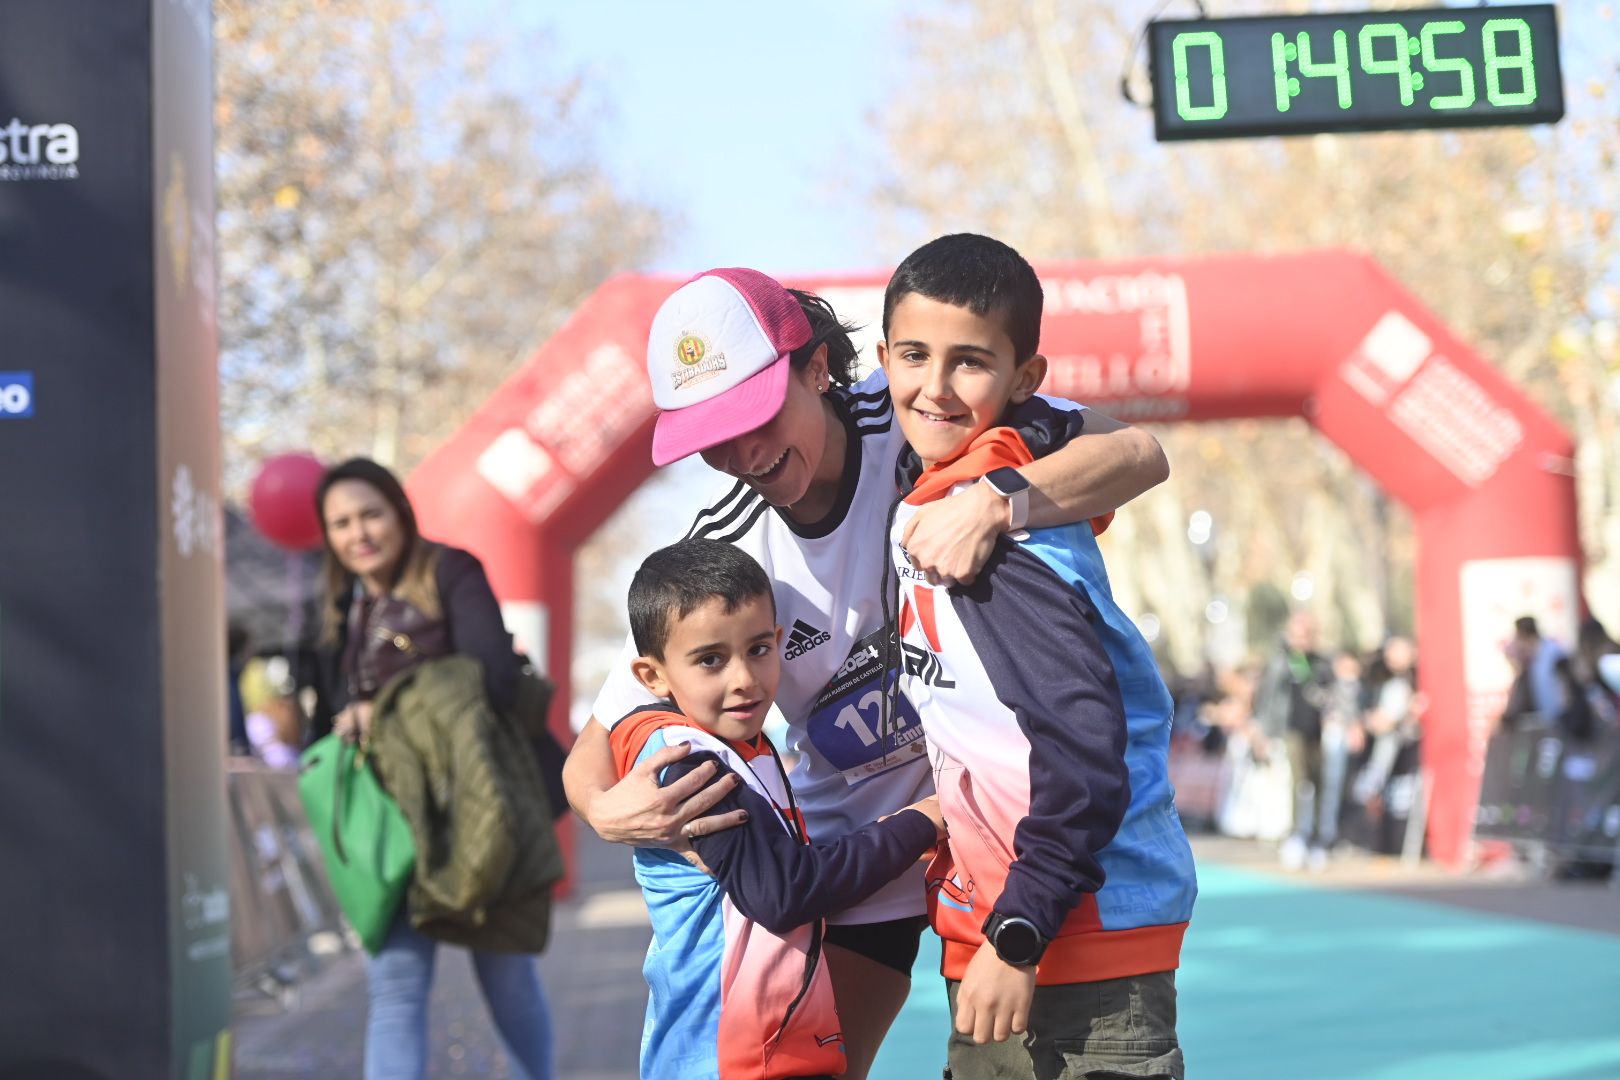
{"x":394,"y":600}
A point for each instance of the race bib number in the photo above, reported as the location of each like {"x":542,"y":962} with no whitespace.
{"x":846,"y":723}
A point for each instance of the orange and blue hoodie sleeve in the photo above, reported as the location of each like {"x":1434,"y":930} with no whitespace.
{"x":1059,"y":685}
{"x":780,"y":883}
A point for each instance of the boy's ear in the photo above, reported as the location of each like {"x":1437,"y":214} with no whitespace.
{"x":779,"y":635}
{"x":883,"y":354}
{"x":650,"y":673}
{"x":1028,"y":378}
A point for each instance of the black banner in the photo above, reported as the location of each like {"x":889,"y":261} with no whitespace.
{"x":114,"y":922}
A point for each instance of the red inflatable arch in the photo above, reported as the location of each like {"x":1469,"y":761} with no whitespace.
{"x":1326,"y":335}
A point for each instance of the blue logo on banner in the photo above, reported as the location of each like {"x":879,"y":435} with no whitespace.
{"x":16,"y":394}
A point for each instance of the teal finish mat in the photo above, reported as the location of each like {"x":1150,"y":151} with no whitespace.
{"x":1293,"y":981}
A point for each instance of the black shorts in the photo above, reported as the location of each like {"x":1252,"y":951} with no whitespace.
{"x":892,"y":944}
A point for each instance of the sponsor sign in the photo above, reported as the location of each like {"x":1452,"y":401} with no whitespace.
{"x":1432,"y":400}
{"x":1139,"y":345}
{"x":31,"y":151}
{"x":16,"y":395}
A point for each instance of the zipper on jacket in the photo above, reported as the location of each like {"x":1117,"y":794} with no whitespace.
{"x":811,"y":959}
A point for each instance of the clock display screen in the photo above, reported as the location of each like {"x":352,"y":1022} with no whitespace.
{"x":1294,"y":75}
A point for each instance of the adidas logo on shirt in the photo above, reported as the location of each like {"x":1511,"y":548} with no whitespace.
{"x":802,"y":638}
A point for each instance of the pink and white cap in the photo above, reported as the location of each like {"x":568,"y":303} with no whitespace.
{"x":717,"y":358}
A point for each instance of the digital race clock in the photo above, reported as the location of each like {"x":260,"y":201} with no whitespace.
{"x":1292,"y":75}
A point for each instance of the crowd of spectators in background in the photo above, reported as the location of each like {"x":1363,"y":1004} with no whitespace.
{"x":1315,"y":749}
{"x":1312,"y":748}
{"x":1577,"y":693}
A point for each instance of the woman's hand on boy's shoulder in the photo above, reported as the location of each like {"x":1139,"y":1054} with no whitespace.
{"x":639,"y":811}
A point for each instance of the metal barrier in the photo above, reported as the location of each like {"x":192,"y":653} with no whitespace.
{"x":281,"y":901}
{"x":1542,"y":789}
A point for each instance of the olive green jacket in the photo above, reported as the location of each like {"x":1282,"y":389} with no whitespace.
{"x":467,"y":782}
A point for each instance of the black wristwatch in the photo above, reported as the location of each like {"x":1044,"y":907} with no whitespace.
{"x":1016,"y":940}
{"x":1011,"y":485}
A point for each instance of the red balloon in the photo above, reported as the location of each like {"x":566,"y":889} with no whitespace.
{"x":282,"y":501}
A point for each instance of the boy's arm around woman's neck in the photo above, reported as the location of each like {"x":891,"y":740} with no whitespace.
{"x":780,"y":883}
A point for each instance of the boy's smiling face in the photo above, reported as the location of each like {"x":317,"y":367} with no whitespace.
{"x":721,"y":667}
{"x":951,"y":373}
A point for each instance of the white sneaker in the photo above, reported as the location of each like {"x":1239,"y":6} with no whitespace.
{"x":1292,"y":853}
{"x":1317,"y":861}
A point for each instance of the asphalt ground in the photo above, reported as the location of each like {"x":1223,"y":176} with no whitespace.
{"x":591,"y":973}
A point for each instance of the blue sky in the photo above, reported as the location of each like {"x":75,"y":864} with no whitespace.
{"x":746,"y":120}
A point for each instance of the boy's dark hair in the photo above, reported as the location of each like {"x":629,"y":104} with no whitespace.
{"x":983,"y":275}
{"x":826,"y":329}
{"x":675,"y":581}
{"x":1525,"y":626}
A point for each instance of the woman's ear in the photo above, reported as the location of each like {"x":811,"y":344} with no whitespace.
{"x":820,"y":376}
{"x":1028,"y":378}
{"x":650,"y":673}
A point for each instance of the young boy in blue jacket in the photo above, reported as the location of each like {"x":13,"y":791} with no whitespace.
{"x":739,"y":985}
{"x":1067,"y":883}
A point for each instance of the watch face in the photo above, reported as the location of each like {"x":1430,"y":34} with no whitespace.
{"x":1007,"y":480}
{"x":1017,"y":942}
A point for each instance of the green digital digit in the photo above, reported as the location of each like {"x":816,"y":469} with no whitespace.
{"x":1400,"y":66}
{"x":1217,"y":62}
{"x":1279,"y":73}
{"x":1339,"y":69}
{"x":1435,"y":63}
{"x":1523,"y":61}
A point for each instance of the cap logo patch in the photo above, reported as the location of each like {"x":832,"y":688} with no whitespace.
{"x":698,"y":361}
{"x":690,"y":349}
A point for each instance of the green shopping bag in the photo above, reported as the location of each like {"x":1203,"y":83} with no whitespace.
{"x":367,"y":843}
